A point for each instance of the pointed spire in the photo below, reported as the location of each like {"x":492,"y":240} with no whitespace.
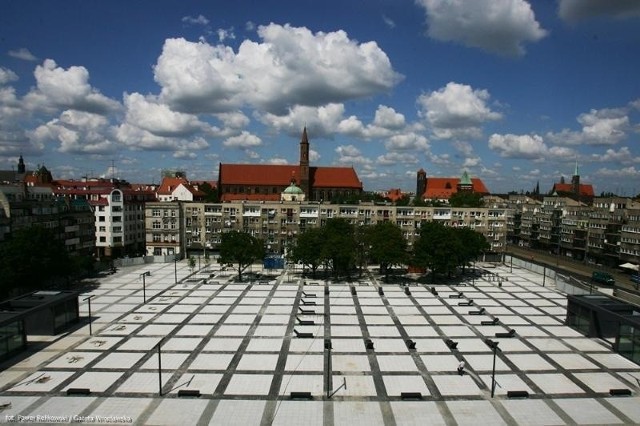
{"x":576,"y":172}
{"x":305,"y":138}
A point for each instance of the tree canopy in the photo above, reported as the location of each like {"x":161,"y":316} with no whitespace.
{"x":32,"y":258}
{"x":386,"y":245}
{"x":241,"y":248}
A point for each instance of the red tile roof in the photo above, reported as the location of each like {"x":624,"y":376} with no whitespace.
{"x":280,"y":175}
{"x":258,"y":174}
{"x":334,"y":177}
{"x":394,"y":194}
{"x":169,"y":184}
{"x":444,"y":188}
{"x":585,"y":189}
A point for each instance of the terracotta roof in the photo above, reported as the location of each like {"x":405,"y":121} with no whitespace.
{"x":280,"y":175}
{"x":394,"y":194}
{"x":169,"y":184}
{"x":444,"y":188}
{"x":585,"y":189}
{"x":334,"y":177}
{"x":257,"y":174}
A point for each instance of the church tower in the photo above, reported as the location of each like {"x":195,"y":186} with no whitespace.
{"x":421,"y":183}
{"x":21,"y":167}
{"x":304,"y":163}
{"x":575,"y":181}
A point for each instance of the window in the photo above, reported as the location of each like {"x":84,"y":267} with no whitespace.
{"x":155,"y":213}
{"x":103,"y":229}
{"x":100,"y":218}
{"x":156,"y":224}
{"x":103,"y":239}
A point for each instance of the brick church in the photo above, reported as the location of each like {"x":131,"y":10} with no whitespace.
{"x":266,"y":182}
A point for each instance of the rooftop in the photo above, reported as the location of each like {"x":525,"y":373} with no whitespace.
{"x":236,"y":344}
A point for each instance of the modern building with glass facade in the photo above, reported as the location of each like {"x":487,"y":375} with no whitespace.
{"x":609,"y":319}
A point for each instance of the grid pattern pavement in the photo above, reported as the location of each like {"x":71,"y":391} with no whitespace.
{"x":245,"y":347}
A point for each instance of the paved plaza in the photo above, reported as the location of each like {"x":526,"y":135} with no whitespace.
{"x":288,"y":351}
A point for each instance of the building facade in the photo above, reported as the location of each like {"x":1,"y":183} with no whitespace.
{"x":265,"y":182}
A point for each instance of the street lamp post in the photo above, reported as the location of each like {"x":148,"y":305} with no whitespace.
{"x":175,"y":267}
{"x":88,"y":299}
{"x":494,"y":346}
{"x":144,"y":285}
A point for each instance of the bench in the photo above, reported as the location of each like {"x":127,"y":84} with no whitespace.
{"x":407,"y":291}
{"x":517,"y":394}
{"x":478,"y":312}
{"x":434,"y":291}
{"x":78,"y":391}
{"x":310,"y":295}
{"x":306,"y":312}
{"x":456,"y":296}
{"x":510,"y":333}
{"x":309,"y":302}
{"x":380,"y":291}
{"x":300,"y":395}
{"x":193,"y":393}
{"x":620,"y":392}
{"x":451,"y":344}
{"x":300,"y":335}
{"x":467,"y":303}
{"x":326,"y":290}
{"x":368,"y":343}
{"x":327,"y":344}
{"x":305,"y":322}
{"x":410,"y":344}
{"x":410,"y":396}
{"x":494,"y":321}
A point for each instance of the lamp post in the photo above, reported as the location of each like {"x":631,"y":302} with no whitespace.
{"x":175,"y":267}
{"x":88,"y":299}
{"x":494,"y":346}
{"x":144,"y":285}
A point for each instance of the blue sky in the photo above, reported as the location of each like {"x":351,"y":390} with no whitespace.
{"x":512,"y":91}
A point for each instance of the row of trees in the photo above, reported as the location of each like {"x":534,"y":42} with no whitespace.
{"x":342,"y":248}
{"x":33,"y":258}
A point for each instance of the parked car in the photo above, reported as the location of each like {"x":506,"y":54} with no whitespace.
{"x":602,"y":278}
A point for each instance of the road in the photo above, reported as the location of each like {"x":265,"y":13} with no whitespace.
{"x":570,"y":266}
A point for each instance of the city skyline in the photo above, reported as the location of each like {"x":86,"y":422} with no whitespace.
{"x":513,"y":92}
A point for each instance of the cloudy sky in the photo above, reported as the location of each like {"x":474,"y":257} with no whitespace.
{"x":512,"y":91}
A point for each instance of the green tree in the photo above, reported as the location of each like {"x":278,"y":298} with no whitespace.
{"x":339,"y":246}
{"x":32,"y":258}
{"x":466,"y":199}
{"x":472,"y":244}
{"x":386,"y":246}
{"x":436,"y":248}
{"x":241,"y":248}
{"x":308,"y":249}
{"x":210,"y":193}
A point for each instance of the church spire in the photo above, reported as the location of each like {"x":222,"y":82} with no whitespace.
{"x":304,"y":163}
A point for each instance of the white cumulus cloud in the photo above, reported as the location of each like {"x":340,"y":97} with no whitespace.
{"x":578,"y":10}
{"x":290,"y":66}
{"x":498,"y":26}
{"x":599,"y":127}
{"x":530,"y":147}
{"x":59,"y":88}
{"x":456,"y":111}
{"x":7,"y":76}
{"x":243,"y":140}
{"x":23,"y":54}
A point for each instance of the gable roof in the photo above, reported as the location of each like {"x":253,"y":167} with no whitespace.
{"x":169,"y":185}
{"x":280,"y":175}
{"x":444,"y":188}
{"x":257,"y":174}
{"x":586,"y":190}
{"x":334,"y":177}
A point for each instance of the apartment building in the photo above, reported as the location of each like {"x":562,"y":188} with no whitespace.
{"x":197,"y":227}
